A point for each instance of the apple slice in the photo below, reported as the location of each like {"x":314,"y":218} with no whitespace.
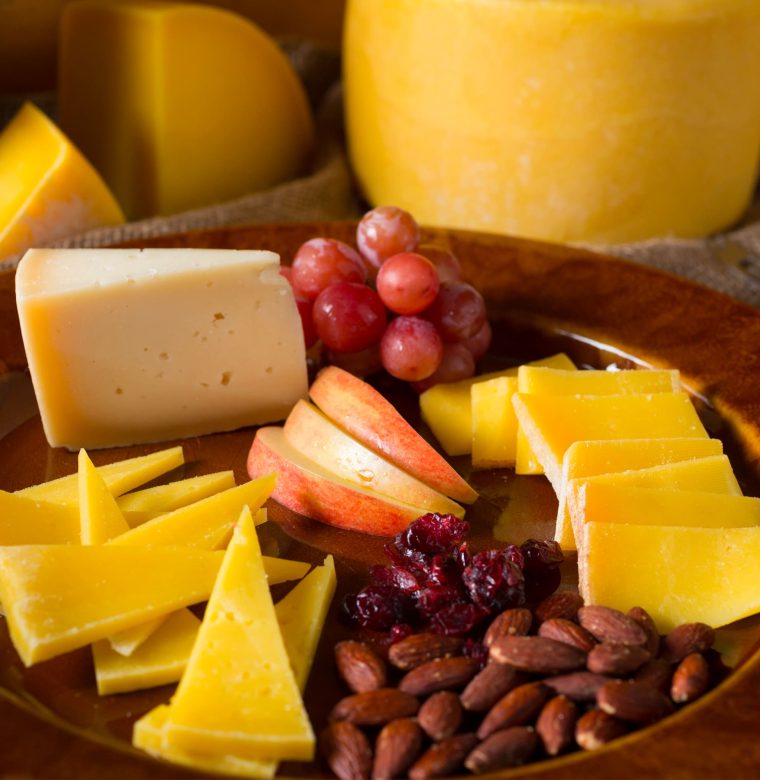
{"x":361,"y":410}
{"x":314,"y":435}
{"x":306,"y":487}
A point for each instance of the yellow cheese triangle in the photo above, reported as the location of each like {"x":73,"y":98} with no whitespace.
{"x":61,"y":597}
{"x":494,"y":423}
{"x":29,"y":521}
{"x":100,"y":518}
{"x":120,"y":477}
{"x":256,"y":710}
{"x":127,"y":641}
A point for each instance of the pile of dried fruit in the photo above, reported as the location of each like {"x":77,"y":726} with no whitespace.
{"x":512,"y":685}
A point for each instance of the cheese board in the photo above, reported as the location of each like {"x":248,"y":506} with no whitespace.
{"x":542,"y":299}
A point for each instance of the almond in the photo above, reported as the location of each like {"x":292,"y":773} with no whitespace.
{"x":616,"y":660}
{"x":518,"y":708}
{"x":374,"y":708}
{"x":686,"y":639}
{"x":537,"y":654}
{"x":511,"y":622}
{"x":611,"y":625}
{"x":398,"y":744}
{"x":360,"y":667}
{"x":690,"y":679}
{"x":346,"y":750}
{"x":657,"y":673}
{"x":633,"y":702}
{"x":564,"y":630}
{"x":441,"y":715}
{"x":444,"y":757}
{"x":596,"y":728}
{"x":489,"y":685}
{"x":561,"y":604}
{"x":578,"y":686}
{"x":420,"y":648}
{"x":644,"y":619}
{"x":438,"y":675}
{"x":556,"y":724}
{"x":506,"y":748}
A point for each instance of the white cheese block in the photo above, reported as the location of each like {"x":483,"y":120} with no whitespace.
{"x":128,"y":346}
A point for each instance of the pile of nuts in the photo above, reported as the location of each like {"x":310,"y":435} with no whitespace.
{"x":559,"y":678}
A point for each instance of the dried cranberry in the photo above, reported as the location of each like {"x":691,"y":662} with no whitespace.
{"x":515,"y":554}
{"x":541,"y":555}
{"x":435,"y":598}
{"x":541,"y":584}
{"x":406,"y":558}
{"x":378,"y":607}
{"x":456,"y":620}
{"x":443,"y":570}
{"x":493,"y":581}
{"x":400,"y":631}
{"x":434,"y":533}
{"x":476,"y":650}
{"x":395,"y":576}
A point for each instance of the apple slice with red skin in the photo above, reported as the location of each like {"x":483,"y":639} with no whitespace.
{"x":369,"y":417}
{"x":314,"y":435}
{"x":307,"y":488}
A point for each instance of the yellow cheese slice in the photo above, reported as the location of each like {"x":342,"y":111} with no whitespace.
{"x":256,"y":709}
{"x":143,"y":505}
{"x":553,"y":423}
{"x":205,"y":523}
{"x":120,"y":477}
{"x":538,"y":380}
{"x":678,"y":574}
{"x":159,"y":660}
{"x":99,"y":515}
{"x":447,"y":408}
{"x":61,"y":597}
{"x":125,"y":642}
{"x":48,"y":190}
{"x":494,"y":423}
{"x":590,"y":458}
{"x":30,"y":521}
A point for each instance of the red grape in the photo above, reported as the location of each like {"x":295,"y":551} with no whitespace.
{"x":361,"y":363}
{"x":411,"y":348}
{"x":320,"y":262}
{"x":287,"y":272}
{"x":480,"y":342}
{"x":458,"y":312}
{"x":385,"y":231}
{"x":445,"y":262}
{"x":407,"y":283}
{"x":310,"y":335}
{"x":349,"y":317}
{"x":457,"y":363}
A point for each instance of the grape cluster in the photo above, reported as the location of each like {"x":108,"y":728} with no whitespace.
{"x":393,"y":304}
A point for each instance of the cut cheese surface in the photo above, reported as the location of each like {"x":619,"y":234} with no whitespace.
{"x":28,"y":521}
{"x":61,"y":597}
{"x":48,"y":190}
{"x":120,"y":477}
{"x":188,"y":342}
{"x":590,"y":458}
{"x":494,"y":423}
{"x":99,"y":515}
{"x":447,"y":409}
{"x":678,"y":574}
{"x":553,"y":423}
{"x":256,"y":710}
{"x":540,"y":380}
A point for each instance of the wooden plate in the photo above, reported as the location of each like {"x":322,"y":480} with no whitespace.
{"x":542,"y":299}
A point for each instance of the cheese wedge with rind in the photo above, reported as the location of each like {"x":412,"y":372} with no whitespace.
{"x":100,"y":518}
{"x":590,"y":458}
{"x":61,"y":597}
{"x":256,"y":710}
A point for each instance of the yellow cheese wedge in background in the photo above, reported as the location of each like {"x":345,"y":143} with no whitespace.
{"x":28,"y":521}
{"x":256,"y":710}
{"x":538,"y":380}
{"x":494,"y":423}
{"x":678,"y":574}
{"x":553,"y":423}
{"x":447,"y":408}
{"x":48,"y":190}
{"x":208,"y":110}
{"x":590,"y":458}
{"x":121,"y":476}
{"x":61,"y":597}
{"x":100,"y":518}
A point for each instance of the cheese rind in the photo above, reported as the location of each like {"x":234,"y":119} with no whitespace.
{"x":127,"y":346}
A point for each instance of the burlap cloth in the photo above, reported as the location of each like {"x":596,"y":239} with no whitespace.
{"x":729,"y":262}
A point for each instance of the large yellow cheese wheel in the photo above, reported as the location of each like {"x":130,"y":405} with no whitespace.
{"x":590,"y":120}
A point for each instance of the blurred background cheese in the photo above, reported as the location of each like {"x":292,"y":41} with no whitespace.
{"x":47,"y":188}
{"x":179,"y":105}
{"x":570,"y":120}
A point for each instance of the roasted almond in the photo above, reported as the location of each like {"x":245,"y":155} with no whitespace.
{"x":374,"y":708}
{"x":657,"y":673}
{"x":686,"y":639}
{"x":690,"y":679}
{"x":561,"y":604}
{"x":537,"y":654}
{"x":511,"y":622}
{"x":398,"y":744}
{"x":418,"y":649}
{"x":578,"y":686}
{"x":360,"y":667}
{"x":644,"y":619}
{"x":615,"y":659}
{"x":346,"y":750}
{"x":564,"y":630}
{"x":611,"y":625}
{"x":506,"y":748}
{"x":489,"y":685}
{"x":556,"y":724}
{"x":440,"y":715}
{"x":596,"y":728}
{"x":444,"y":757}
{"x":438,"y":675}
{"x":517,"y":708}
{"x":633,"y":702}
